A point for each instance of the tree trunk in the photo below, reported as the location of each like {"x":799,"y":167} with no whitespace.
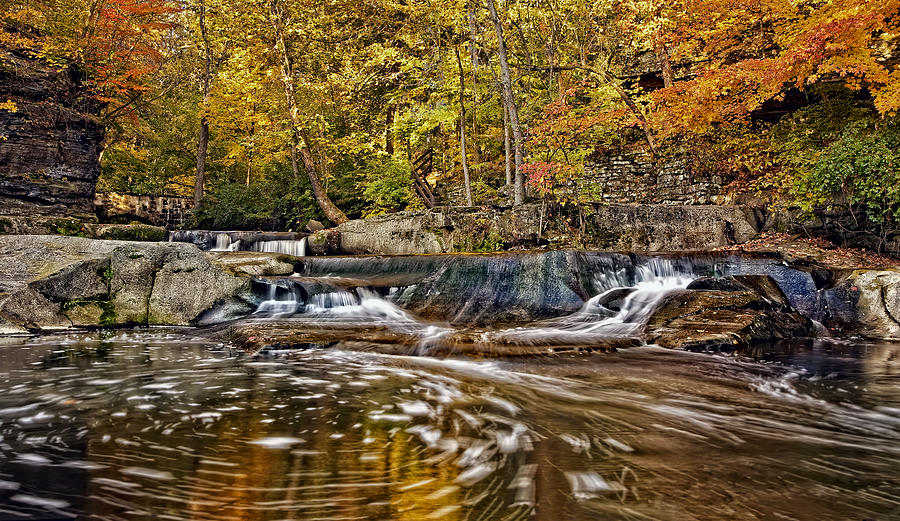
{"x":507,"y":156}
{"x":250,"y":148}
{"x":665,"y":64}
{"x":510,"y":102}
{"x":203,"y":140}
{"x":473,"y":55}
{"x":462,"y":130}
{"x":332,"y":212}
{"x":389,"y":131}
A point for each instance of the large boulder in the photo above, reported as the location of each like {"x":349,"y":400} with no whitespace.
{"x":866,"y":302}
{"x":55,"y":282}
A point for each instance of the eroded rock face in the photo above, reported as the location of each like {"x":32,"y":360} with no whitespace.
{"x":867,"y":302}
{"x":54,"y":282}
{"x":726,"y":314}
{"x":49,"y":145}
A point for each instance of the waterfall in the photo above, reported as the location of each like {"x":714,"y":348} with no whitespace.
{"x":288,"y":243}
{"x":294,"y":247}
{"x":277,"y":305}
{"x":621,"y":311}
{"x":628,"y":297}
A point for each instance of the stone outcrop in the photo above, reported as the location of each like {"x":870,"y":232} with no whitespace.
{"x":53,"y":282}
{"x":866,"y":303}
{"x":49,"y":145}
{"x":615,"y":227}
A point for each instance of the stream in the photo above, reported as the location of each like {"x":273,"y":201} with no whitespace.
{"x":159,"y":424}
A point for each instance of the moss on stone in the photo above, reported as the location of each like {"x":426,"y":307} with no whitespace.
{"x":135,"y":232}
{"x":69,"y":227}
{"x":107,"y":308}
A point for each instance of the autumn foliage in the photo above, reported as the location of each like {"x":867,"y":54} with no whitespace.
{"x":797,"y":99}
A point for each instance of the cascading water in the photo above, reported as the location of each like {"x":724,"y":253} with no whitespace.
{"x":287,"y":243}
{"x":223,"y":242}
{"x":279,"y":303}
{"x":621,"y":311}
{"x":629,"y":296}
{"x":297,"y":248}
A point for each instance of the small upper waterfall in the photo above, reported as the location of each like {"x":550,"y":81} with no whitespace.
{"x":288,"y":247}
{"x":288,"y":243}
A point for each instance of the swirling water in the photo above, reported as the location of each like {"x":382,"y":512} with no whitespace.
{"x":160,"y":425}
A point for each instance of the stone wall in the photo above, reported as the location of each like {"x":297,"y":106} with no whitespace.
{"x":634,"y":179}
{"x":168,"y":211}
{"x":49,"y":143}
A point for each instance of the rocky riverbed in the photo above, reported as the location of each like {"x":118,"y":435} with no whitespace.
{"x":492,"y":304}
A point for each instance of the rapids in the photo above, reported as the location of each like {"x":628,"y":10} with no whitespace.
{"x":161,"y":425}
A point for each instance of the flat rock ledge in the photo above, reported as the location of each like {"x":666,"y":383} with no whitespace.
{"x":56,"y":282}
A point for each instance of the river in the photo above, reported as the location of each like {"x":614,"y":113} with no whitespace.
{"x":159,"y":424}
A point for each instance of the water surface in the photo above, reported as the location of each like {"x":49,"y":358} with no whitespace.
{"x":157,"y":425}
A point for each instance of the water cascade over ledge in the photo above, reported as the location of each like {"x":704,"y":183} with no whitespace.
{"x":489,"y":304}
{"x":288,"y":243}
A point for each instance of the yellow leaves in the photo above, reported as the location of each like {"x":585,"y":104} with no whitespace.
{"x":9,"y":106}
{"x":887,"y":97}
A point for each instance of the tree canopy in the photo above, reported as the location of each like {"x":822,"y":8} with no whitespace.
{"x":320,"y":108}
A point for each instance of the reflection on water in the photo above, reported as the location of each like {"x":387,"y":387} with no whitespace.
{"x":157,"y":426}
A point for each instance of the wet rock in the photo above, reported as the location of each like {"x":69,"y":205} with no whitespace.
{"x":258,"y":264}
{"x":762,"y":285}
{"x":867,"y":302}
{"x":614,"y":298}
{"x":305,"y":334}
{"x":703,"y":319}
{"x":54,"y":282}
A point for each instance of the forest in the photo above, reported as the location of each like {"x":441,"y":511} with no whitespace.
{"x":272,"y":112}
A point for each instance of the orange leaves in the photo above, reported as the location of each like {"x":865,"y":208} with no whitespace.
{"x":116,"y":42}
{"x":121,"y":44}
{"x":806,"y":42}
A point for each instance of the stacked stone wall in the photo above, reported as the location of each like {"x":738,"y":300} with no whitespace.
{"x":630,"y":179}
{"x":168,"y":211}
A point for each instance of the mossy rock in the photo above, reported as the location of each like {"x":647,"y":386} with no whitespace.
{"x":132,"y":232}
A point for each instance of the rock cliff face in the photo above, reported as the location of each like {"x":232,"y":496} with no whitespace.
{"x":49,"y":144}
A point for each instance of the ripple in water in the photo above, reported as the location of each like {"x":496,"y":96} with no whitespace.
{"x":160,"y":426}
